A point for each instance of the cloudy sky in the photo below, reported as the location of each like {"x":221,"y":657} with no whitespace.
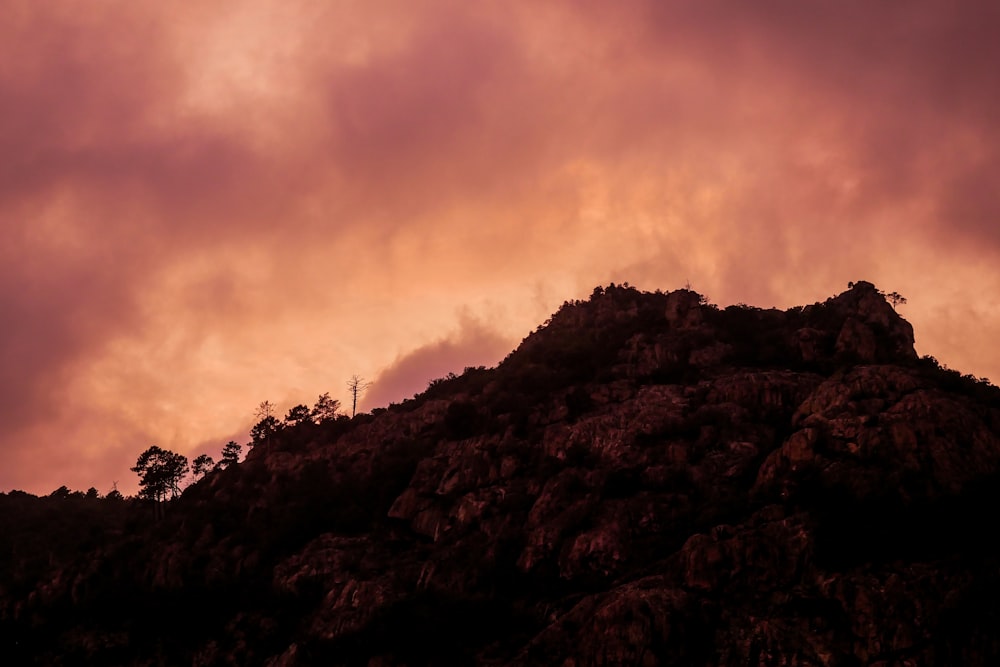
{"x":205,"y":205}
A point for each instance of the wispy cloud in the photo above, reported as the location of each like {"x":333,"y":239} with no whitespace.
{"x":204,"y":208}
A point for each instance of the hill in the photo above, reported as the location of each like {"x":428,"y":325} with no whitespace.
{"x":647,"y":479}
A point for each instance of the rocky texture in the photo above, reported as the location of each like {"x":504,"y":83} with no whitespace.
{"x":646,"y":480}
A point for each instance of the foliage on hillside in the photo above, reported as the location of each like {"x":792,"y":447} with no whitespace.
{"x":647,"y":478}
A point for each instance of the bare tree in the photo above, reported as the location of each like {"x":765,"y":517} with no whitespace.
{"x":356,"y":385}
{"x":264,"y":410}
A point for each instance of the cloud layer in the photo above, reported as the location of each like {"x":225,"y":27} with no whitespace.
{"x":205,"y":209}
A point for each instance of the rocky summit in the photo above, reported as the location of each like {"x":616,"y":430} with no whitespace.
{"x":648,"y":479}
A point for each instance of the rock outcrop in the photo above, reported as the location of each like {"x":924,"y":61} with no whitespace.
{"x":646,"y":480}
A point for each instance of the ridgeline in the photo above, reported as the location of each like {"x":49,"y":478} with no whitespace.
{"x":647,"y":479}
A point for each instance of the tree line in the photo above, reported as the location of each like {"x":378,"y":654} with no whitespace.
{"x":162,"y":472}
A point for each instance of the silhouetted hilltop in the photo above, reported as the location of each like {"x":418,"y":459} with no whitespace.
{"x":647,"y":479}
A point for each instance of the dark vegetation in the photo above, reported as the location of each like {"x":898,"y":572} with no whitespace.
{"x":432,"y":503}
{"x":37,"y":532}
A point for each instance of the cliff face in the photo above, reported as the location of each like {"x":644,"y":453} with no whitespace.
{"x":646,"y":480}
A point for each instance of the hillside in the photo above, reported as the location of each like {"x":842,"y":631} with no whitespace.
{"x":647,"y":479}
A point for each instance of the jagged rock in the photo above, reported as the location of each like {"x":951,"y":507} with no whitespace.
{"x":871,"y":327}
{"x":879,"y":430}
{"x":810,"y":343}
{"x":683,"y":309}
{"x":647,"y":479}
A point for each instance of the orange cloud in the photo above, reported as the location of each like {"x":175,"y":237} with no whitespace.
{"x":203,"y":209}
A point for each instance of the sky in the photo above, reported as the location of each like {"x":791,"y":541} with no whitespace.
{"x":207,"y":205}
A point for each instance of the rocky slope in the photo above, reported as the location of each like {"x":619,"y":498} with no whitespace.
{"x":646,"y":480}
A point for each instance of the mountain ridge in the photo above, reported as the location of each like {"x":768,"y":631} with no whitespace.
{"x":645,"y":479}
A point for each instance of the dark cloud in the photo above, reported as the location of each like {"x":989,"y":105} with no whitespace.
{"x":203,"y":208}
{"x":472,"y":345}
